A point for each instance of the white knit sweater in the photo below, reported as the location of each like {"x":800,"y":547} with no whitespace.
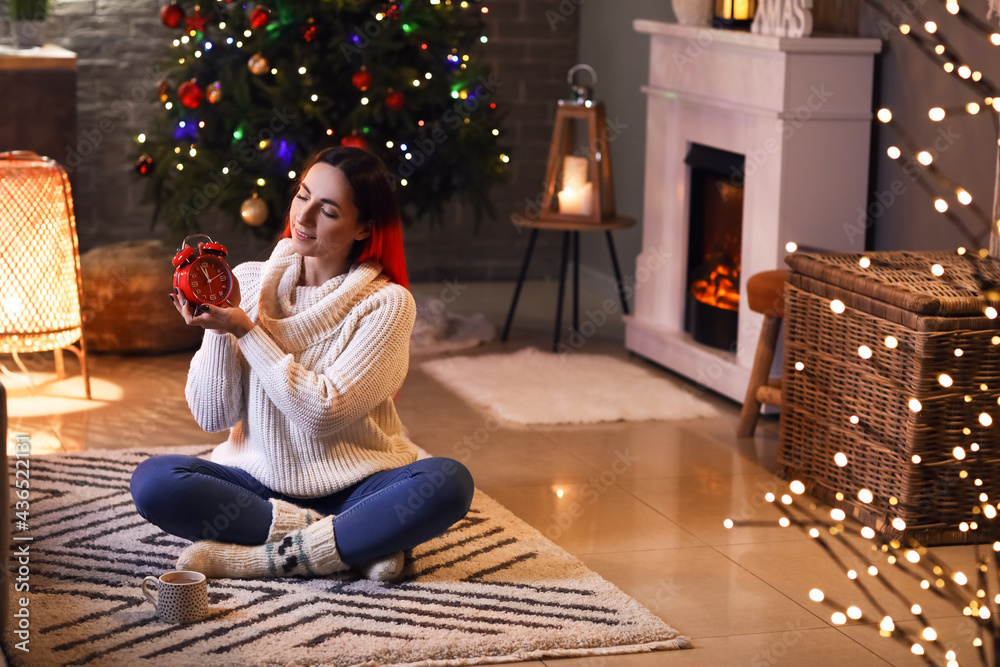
{"x":308,"y":391}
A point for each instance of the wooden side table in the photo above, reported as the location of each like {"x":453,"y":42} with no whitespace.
{"x":571,"y":232}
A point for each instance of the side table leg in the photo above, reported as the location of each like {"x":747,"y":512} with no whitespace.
{"x":618,"y":273}
{"x":562,"y":288}
{"x":576,"y":281}
{"x":520,"y":283}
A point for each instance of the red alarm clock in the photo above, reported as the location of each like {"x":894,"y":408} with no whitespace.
{"x":202,"y":274}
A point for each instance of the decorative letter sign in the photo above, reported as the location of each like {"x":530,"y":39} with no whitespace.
{"x":784,"y":18}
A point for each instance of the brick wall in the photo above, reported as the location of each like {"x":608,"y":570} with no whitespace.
{"x":531,"y":46}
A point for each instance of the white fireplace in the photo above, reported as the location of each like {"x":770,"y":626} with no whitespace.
{"x":799,"y":111}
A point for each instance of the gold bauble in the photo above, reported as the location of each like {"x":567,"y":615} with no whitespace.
{"x":258,"y":63}
{"x":254,"y":211}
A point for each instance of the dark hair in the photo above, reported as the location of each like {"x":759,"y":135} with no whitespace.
{"x":376,"y":205}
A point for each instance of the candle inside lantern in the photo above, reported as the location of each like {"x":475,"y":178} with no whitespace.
{"x":741,"y":10}
{"x":577,"y":201}
{"x":576,"y":196}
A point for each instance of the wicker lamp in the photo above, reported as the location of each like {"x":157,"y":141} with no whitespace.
{"x":39,"y":261}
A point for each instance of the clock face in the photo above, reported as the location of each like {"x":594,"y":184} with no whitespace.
{"x":210,"y":280}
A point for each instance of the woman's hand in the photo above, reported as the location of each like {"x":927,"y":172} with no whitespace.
{"x":226,"y":318}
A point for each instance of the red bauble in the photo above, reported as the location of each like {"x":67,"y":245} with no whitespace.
{"x":259,"y":17}
{"x":394,"y":10}
{"x":394,"y":101}
{"x":144,"y":165}
{"x":354,"y":141}
{"x":171,"y":15}
{"x":196,"y":22}
{"x":362,"y":79}
{"x":191,"y":95}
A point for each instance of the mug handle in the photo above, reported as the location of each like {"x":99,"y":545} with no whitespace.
{"x":153,"y":580}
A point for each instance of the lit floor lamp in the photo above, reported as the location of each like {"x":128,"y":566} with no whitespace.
{"x":40,"y":288}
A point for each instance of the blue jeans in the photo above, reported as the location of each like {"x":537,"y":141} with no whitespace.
{"x":389,"y":511}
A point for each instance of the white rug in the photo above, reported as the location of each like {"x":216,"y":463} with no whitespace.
{"x":534,"y":387}
{"x":491,"y":590}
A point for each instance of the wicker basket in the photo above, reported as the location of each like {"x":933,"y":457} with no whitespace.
{"x":841,"y":401}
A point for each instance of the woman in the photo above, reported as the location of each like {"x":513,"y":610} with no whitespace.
{"x":316,"y":476}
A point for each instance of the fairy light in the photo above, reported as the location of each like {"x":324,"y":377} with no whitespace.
{"x":904,"y":28}
{"x":958,"y":453}
{"x":799,"y":365}
{"x":964,"y":71}
{"x":898,"y":524}
{"x":941,"y":205}
{"x":931,"y":27}
{"x":925,"y":158}
{"x":929,"y":633}
{"x":952,"y":7}
{"x":937,"y":270}
{"x":949,"y":67}
{"x":784,"y":522}
{"x":884,"y":115}
{"x":914,"y":405}
{"x":837,"y":514}
{"x":972,"y":108}
{"x":958,"y":352}
{"x":964,"y":197}
{"x":995,"y":39}
{"x":853,"y":613}
{"x":840,"y":458}
{"x":945,"y":380}
{"x":864,"y":262}
{"x":769,"y":497}
{"x":728,"y":523}
{"x":887,"y":624}
{"x":917,"y":649}
{"x":891,"y":342}
{"x":893,"y":152}
{"x":865,"y":352}
{"x":939,"y":49}
{"x":865,"y":496}
{"x":936,"y":114}
{"x":797,"y":487}
{"x":985,"y":419}
{"x":838,"y":618}
{"x":855,"y":419}
{"x":791,"y":246}
{"x":837,"y":306}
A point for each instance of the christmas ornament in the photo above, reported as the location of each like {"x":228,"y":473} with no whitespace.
{"x":144,"y":165}
{"x":354,"y":141}
{"x":171,"y":15}
{"x":258,"y":63}
{"x":254,"y":211}
{"x":202,"y":275}
{"x":394,"y":100}
{"x":196,"y":22}
{"x":259,"y":17}
{"x":163,"y":89}
{"x":214,"y":93}
{"x":362,"y":79}
{"x":309,"y":31}
{"x":190,"y":94}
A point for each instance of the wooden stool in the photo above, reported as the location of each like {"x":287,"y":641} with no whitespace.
{"x":765,"y":294}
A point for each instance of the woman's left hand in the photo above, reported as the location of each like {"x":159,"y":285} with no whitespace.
{"x":218,"y":319}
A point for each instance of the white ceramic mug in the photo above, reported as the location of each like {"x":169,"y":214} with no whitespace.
{"x":182,"y":596}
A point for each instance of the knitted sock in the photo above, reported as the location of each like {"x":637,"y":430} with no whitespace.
{"x":310,"y":551}
{"x":387,"y":568}
{"x":286,"y":517}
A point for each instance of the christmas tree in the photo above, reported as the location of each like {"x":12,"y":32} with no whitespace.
{"x":250,"y":91}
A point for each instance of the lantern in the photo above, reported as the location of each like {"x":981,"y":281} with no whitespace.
{"x":734,"y":14}
{"x":40,"y":288}
{"x":578,"y":184}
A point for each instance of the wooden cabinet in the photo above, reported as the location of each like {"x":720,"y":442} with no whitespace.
{"x":38,"y":102}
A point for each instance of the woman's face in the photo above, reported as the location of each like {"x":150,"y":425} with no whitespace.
{"x":324,"y":220}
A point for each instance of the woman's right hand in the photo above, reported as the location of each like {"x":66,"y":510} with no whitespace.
{"x":224,"y":318}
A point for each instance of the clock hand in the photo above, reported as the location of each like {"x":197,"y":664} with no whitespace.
{"x":204,"y":270}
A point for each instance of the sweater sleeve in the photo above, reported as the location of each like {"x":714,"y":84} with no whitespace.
{"x":214,"y":388}
{"x":370,"y":368}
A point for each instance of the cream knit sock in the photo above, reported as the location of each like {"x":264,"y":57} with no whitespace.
{"x":310,"y":551}
{"x":286,"y":517}
{"x":387,"y":568}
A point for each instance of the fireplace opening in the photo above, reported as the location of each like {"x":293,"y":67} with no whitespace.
{"x":715,"y":230}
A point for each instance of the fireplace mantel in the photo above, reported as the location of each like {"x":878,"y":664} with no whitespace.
{"x":799,"y":110}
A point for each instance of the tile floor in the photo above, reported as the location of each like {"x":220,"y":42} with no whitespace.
{"x":655,"y":530}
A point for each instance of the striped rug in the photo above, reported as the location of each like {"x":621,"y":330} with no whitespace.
{"x":491,"y":590}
